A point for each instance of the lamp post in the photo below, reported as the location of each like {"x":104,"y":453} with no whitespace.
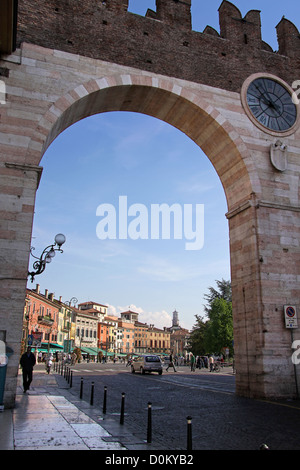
{"x":39,"y":266}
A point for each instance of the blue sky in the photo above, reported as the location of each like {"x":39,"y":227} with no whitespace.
{"x":151,"y":163}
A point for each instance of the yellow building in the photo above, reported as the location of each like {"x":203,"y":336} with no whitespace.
{"x":140,"y":337}
{"x":158,"y":341}
{"x":66,"y":326}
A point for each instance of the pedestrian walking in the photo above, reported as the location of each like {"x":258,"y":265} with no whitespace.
{"x":129,"y":361}
{"x":171,"y":363}
{"x":49,"y":365}
{"x":193,"y":360}
{"x":211,"y":363}
{"x":27,"y":363}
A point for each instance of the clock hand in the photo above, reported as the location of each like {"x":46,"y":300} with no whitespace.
{"x":268,"y":101}
{"x":263,"y":98}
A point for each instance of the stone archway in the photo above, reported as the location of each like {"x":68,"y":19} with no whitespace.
{"x":201,"y":122}
{"x":163,"y":100}
{"x":68,"y":88}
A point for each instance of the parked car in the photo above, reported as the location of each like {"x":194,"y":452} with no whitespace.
{"x":147,"y":363}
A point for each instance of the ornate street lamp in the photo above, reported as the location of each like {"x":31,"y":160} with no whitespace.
{"x":73,"y":300}
{"x":39,"y":266}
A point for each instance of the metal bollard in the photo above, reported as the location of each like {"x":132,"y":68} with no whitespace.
{"x":71,"y":379}
{"x":189,"y":433}
{"x":92,"y":395}
{"x":264,"y":447}
{"x":149,"y":426}
{"x":122,"y":408}
{"x":81,"y":387}
{"x":104,"y":400}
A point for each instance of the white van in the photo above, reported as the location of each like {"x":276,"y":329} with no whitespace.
{"x":147,"y":363}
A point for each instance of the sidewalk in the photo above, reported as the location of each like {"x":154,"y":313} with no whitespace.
{"x":47,"y":418}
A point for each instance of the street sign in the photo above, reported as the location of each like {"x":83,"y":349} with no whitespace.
{"x":290,"y":315}
{"x":67,"y":345}
{"x":37,"y":339}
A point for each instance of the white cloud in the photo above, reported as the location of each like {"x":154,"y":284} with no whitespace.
{"x":159,"y":319}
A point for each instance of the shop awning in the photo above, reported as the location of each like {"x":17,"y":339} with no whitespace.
{"x":91,"y":351}
{"x":53,"y":347}
{"x":107,"y":353}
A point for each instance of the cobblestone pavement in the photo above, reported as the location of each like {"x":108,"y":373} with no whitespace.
{"x":53,"y":416}
{"x":220,"y":419}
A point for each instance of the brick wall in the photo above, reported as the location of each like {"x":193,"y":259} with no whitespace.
{"x":162,"y":42}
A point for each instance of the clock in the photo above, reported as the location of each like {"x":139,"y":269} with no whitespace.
{"x":268,"y":102}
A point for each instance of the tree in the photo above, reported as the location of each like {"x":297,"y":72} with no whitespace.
{"x":197,"y":337}
{"x":219,"y":327}
{"x":215,"y":333}
{"x":223,"y":293}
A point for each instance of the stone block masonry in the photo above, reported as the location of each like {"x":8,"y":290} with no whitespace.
{"x":77,"y":58}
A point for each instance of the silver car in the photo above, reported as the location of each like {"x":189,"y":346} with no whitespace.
{"x":147,"y":363}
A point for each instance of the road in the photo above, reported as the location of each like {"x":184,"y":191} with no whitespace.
{"x":220,"y":419}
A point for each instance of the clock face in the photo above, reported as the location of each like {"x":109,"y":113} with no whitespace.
{"x":271,"y":104}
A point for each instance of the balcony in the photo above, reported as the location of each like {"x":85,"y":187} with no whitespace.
{"x":45,"y":320}
{"x":66,"y":327}
{"x":87,"y":339}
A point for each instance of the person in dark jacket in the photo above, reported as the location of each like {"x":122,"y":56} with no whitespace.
{"x":171,"y":363}
{"x":27,"y":363}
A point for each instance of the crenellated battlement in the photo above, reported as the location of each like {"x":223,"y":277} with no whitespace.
{"x":174,"y":12}
{"x":237,"y":29}
{"x":162,"y":41}
{"x":288,"y":38}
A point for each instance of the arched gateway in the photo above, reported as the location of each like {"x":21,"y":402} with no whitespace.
{"x":240,"y":114}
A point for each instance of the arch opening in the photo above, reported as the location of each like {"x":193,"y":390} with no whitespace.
{"x":207,"y":128}
{"x":193,"y":116}
{"x":149,"y":162}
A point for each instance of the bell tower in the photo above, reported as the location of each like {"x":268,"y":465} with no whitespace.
{"x":175,"y":321}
